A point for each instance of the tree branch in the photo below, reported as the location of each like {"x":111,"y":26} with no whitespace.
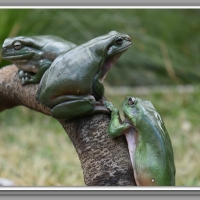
{"x":105,"y":161}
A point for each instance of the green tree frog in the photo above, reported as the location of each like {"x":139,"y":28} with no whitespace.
{"x":33,"y":55}
{"x":73,"y":84}
{"x":148,"y":141}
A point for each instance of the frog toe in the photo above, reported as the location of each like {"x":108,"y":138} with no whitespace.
{"x":21,"y":74}
{"x":108,"y":105}
{"x":23,"y":81}
{"x":27,"y":75}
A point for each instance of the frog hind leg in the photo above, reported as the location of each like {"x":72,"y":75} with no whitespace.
{"x":71,"y":106}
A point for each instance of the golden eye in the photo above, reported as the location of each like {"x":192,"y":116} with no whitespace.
{"x":17,"y":45}
{"x":131,"y":101}
{"x":119,"y":40}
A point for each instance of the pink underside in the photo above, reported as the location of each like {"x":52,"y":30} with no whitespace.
{"x":131,"y":137}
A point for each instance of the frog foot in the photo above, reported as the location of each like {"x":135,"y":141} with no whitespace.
{"x":26,"y":77}
{"x":101,"y":104}
{"x":100,"y":109}
{"x":21,"y":73}
{"x":108,"y":105}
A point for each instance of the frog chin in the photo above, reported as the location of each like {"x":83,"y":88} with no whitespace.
{"x":108,"y":64}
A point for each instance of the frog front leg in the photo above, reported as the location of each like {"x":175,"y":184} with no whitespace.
{"x":29,"y":77}
{"x":116,"y":127}
{"x":97,"y":87}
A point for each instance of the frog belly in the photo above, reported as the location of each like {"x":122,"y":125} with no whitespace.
{"x":152,"y":167}
{"x":131,"y":139}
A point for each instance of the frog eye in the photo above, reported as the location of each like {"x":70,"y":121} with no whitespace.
{"x":17,"y":45}
{"x":119,"y":40}
{"x":131,"y":101}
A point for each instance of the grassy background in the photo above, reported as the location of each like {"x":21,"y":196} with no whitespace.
{"x":35,"y":151}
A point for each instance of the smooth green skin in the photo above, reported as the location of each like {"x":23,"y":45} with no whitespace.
{"x":72,"y":86}
{"x":35,"y":55}
{"x":148,"y":140}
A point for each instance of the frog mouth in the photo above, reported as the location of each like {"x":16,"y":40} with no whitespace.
{"x":17,"y":57}
{"x":119,"y":50}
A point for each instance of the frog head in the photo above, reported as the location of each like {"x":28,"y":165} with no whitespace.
{"x":20,"y":48}
{"x":112,"y":45}
{"x":135,"y":109}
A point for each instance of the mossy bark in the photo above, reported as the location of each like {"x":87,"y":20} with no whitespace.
{"x":105,"y":161}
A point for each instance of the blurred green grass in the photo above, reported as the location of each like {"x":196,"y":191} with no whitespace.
{"x":35,"y":151}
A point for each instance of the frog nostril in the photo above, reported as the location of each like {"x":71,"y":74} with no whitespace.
{"x":4,"y":49}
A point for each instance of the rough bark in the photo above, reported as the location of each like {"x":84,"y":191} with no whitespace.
{"x":105,"y":161}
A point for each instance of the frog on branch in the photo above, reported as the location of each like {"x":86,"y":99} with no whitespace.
{"x":34,"y":55}
{"x":73,"y":84}
{"x":148,"y":141}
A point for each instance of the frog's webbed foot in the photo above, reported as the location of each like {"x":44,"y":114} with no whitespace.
{"x":27,"y":77}
{"x":110,"y":106}
{"x":21,"y":73}
{"x":101,"y":107}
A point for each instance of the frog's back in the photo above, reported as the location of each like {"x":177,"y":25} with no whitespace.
{"x":53,"y":43}
{"x":71,"y":73}
{"x":154,"y":163}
